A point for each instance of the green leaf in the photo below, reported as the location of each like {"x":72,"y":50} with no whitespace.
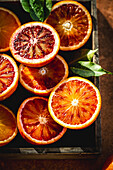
{"x":47,"y":8}
{"x":25,"y":4}
{"x":83,"y":54}
{"x":37,"y":7}
{"x":82,"y":72}
{"x":33,"y":15}
{"x":91,"y":53}
{"x":42,"y":2}
{"x":97,"y":69}
{"x":49,"y":5}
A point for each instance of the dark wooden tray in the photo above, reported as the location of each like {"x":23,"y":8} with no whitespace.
{"x":74,"y":144}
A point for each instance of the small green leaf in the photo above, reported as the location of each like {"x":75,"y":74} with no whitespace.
{"x":33,"y":15}
{"x":97,"y":69}
{"x":91,"y":53}
{"x":48,"y":7}
{"x":37,"y":7}
{"x":83,"y":54}
{"x":25,"y":4}
{"x":42,"y":2}
{"x":82,"y":72}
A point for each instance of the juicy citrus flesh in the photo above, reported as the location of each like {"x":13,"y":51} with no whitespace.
{"x":9,"y":22}
{"x":36,"y":124}
{"x":34,"y":44}
{"x":8,"y":76}
{"x":42,"y":80}
{"x":75,"y":103}
{"x":72,"y":22}
{"x":8,"y":127}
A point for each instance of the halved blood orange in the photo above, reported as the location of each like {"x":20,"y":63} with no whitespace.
{"x":36,"y":124}
{"x":41,"y":80}
{"x":9,"y":22}
{"x":8,"y":125}
{"x":75,"y":103}
{"x":8,"y":76}
{"x":73,"y":23}
{"x":35,"y":44}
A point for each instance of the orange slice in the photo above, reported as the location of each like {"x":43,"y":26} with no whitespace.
{"x":35,"y":44}
{"x":36,"y":124}
{"x":8,"y":76}
{"x":42,"y":80}
{"x":75,"y":103}
{"x":73,"y":23}
{"x":8,"y":127}
{"x":9,"y":22}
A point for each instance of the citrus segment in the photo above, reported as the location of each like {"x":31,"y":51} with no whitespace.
{"x":73,"y":23}
{"x":42,"y":80}
{"x":75,"y":103}
{"x":8,"y":76}
{"x":8,"y":127}
{"x":36,"y":124}
{"x":34,"y":44}
{"x":9,"y":22}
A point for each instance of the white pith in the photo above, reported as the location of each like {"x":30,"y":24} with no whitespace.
{"x":42,"y":120}
{"x":74,"y":102}
{"x":67,"y":25}
{"x":43,"y":70}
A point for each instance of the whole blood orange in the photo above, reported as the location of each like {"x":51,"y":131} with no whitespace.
{"x":73,"y":23}
{"x":108,"y":164}
{"x":35,"y":44}
{"x":41,"y":80}
{"x":9,"y":22}
{"x":75,"y":103}
{"x":36,"y":124}
{"x":8,"y":126}
{"x":8,"y":76}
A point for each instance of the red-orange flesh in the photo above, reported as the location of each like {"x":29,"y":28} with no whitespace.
{"x":35,"y":123}
{"x":7,"y":73}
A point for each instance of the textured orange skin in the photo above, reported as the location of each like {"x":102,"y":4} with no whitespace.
{"x":108,"y":165}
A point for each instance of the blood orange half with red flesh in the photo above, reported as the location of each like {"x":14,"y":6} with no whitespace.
{"x":8,"y":126}
{"x":9,"y":22}
{"x":42,"y":80}
{"x":8,"y":76}
{"x":35,"y":44}
{"x":73,"y":23}
{"x":75,"y":103}
{"x":36,"y":124}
